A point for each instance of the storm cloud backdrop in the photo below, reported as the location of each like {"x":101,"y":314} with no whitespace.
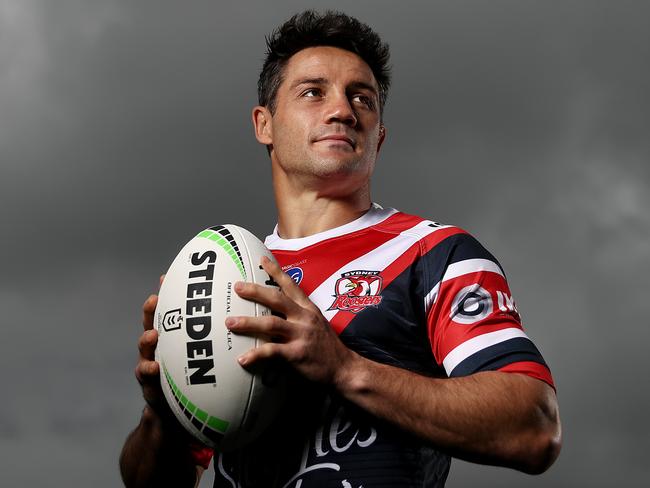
{"x":125,"y":128}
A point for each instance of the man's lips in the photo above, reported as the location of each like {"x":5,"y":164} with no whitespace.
{"x":337,"y":137}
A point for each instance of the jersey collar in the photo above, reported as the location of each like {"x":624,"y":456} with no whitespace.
{"x":375,"y":215}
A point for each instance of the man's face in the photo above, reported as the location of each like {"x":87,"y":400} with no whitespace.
{"x":327,"y":122}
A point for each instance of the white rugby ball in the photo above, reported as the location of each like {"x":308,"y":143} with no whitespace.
{"x":219,"y":402}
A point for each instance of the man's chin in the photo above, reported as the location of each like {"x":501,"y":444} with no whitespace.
{"x":333,"y":167}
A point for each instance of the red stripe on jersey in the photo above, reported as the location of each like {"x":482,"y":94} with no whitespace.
{"x":432,"y":240}
{"x":201,"y":454}
{"x":341,"y":320}
{"x":445,"y":334}
{"x":398,"y":223}
{"x":325,"y":261}
{"x":530,"y":368}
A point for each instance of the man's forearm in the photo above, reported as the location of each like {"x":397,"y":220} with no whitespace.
{"x":156,"y":454}
{"x":505,"y":419}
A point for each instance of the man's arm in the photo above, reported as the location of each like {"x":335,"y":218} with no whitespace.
{"x":154,"y":455}
{"x":157,"y":452}
{"x":505,"y":419}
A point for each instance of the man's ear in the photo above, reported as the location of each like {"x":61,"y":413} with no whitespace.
{"x":382,"y":136}
{"x":263,"y":123}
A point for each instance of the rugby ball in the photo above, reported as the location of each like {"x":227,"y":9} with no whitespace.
{"x":213,"y":397}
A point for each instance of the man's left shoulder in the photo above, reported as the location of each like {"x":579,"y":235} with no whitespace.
{"x":429,"y":232}
{"x":410,"y":224}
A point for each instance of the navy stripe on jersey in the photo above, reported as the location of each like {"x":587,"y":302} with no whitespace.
{"x":454,"y":249}
{"x":494,"y":357}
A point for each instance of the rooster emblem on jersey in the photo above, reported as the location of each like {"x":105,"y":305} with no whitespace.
{"x":356,"y":290}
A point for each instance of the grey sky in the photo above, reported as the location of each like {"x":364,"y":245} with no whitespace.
{"x":125,"y":128}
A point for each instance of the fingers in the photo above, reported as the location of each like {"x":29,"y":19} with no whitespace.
{"x":148,"y":375}
{"x":270,"y":326}
{"x":272,"y":297}
{"x":147,"y":372}
{"x":287,"y":285}
{"x":265,"y":351}
{"x":148,"y":309}
{"x":289,"y":299}
{"x":147,"y":367}
{"x":147,"y":344}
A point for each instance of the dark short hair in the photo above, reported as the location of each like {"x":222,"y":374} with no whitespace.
{"x":311,"y":29}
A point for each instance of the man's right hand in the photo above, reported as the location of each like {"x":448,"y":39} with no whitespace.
{"x":157,"y":452}
{"x":147,"y":371}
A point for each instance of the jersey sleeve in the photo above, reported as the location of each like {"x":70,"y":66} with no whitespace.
{"x":472,"y":321}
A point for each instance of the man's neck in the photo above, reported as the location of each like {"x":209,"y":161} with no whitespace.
{"x":310,"y":214}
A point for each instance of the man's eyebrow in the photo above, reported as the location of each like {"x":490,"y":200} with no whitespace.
{"x":309,"y":81}
{"x":364,"y":86}
{"x":356,"y":85}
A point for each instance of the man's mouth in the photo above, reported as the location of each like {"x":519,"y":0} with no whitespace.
{"x":337,"y":138}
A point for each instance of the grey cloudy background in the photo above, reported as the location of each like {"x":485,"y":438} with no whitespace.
{"x":125,"y":128}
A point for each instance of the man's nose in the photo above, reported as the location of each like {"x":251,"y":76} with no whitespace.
{"x":340,"y":110}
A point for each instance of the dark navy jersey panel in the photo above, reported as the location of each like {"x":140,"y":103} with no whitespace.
{"x":494,"y":357}
{"x":454,"y":249}
{"x":395,"y":331}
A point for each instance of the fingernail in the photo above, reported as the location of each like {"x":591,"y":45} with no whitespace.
{"x":265,"y":259}
{"x":231,"y":321}
{"x":242,"y":360}
{"x":239,"y":286}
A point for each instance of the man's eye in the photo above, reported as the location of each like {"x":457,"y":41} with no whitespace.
{"x":365,"y":100}
{"x":311,"y":92}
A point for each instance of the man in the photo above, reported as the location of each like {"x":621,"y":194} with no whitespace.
{"x":402,"y":331}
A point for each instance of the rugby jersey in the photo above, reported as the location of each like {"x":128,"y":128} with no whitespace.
{"x":400,"y":290}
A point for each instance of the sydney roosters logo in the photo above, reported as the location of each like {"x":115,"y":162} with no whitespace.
{"x":356,"y":290}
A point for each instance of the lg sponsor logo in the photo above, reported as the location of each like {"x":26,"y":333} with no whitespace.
{"x":474,"y":303}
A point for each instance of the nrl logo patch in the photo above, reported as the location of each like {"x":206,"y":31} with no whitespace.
{"x":356,"y":290}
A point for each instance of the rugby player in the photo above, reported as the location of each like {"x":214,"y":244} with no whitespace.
{"x":403,"y":331}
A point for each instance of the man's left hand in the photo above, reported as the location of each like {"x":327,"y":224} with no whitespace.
{"x":303,"y":338}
